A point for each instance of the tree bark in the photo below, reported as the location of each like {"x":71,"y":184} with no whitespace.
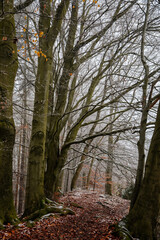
{"x":145,"y":109}
{"x":35,"y":177}
{"x":8,"y":70}
{"x":54,"y":161}
{"x":142,"y":219}
{"x":36,"y":166}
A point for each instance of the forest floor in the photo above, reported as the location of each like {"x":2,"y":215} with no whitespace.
{"x":94,"y":217}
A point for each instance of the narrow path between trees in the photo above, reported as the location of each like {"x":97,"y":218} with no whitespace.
{"x":94,"y":216}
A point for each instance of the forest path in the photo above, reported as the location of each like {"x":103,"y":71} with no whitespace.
{"x":91,"y":222}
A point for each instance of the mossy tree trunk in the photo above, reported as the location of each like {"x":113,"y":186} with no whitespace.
{"x":8,"y":70}
{"x":142,"y":219}
{"x":35,"y":177}
{"x":36,"y":165}
{"x":54,"y":164}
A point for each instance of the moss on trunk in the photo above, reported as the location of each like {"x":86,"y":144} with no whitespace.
{"x":8,"y":70}
{"x":36,"y":166}
{"x":50,"y":208}
{"x":55,"y":163}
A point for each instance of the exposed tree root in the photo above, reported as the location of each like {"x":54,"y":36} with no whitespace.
{"x":50,"y":207}
{"x":13,"y":221}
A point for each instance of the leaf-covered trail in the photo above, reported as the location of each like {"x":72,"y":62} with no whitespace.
{"x":92,"y":221}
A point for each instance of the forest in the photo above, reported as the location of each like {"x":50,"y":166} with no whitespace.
{"x":80,"y":114}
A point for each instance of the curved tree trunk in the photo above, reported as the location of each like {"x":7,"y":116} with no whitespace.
{"x":8,"y":70}
{"x":145,"y":108}
{"x":142,"y":219}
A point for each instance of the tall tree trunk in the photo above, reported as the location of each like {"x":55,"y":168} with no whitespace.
{"x":142,"y":219}
{"x":35,"y":177}
{"x":8,"y":70}
{"x":54,"y":161}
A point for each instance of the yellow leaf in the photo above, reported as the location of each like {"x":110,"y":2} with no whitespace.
{"x":41,"y":34}
{"x":13,"y":51}
{"x":25,"y":17}
{"x":22,"y":46}
{"x":98,"y":5}
{"x":24,"y":30}
{"x":28,"y":59}
{"x":21,"y":35}
{"x":18,"y":50}
{"x":73,"y":6}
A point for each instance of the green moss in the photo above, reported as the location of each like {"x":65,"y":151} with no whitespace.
{"x":47,"y":210}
